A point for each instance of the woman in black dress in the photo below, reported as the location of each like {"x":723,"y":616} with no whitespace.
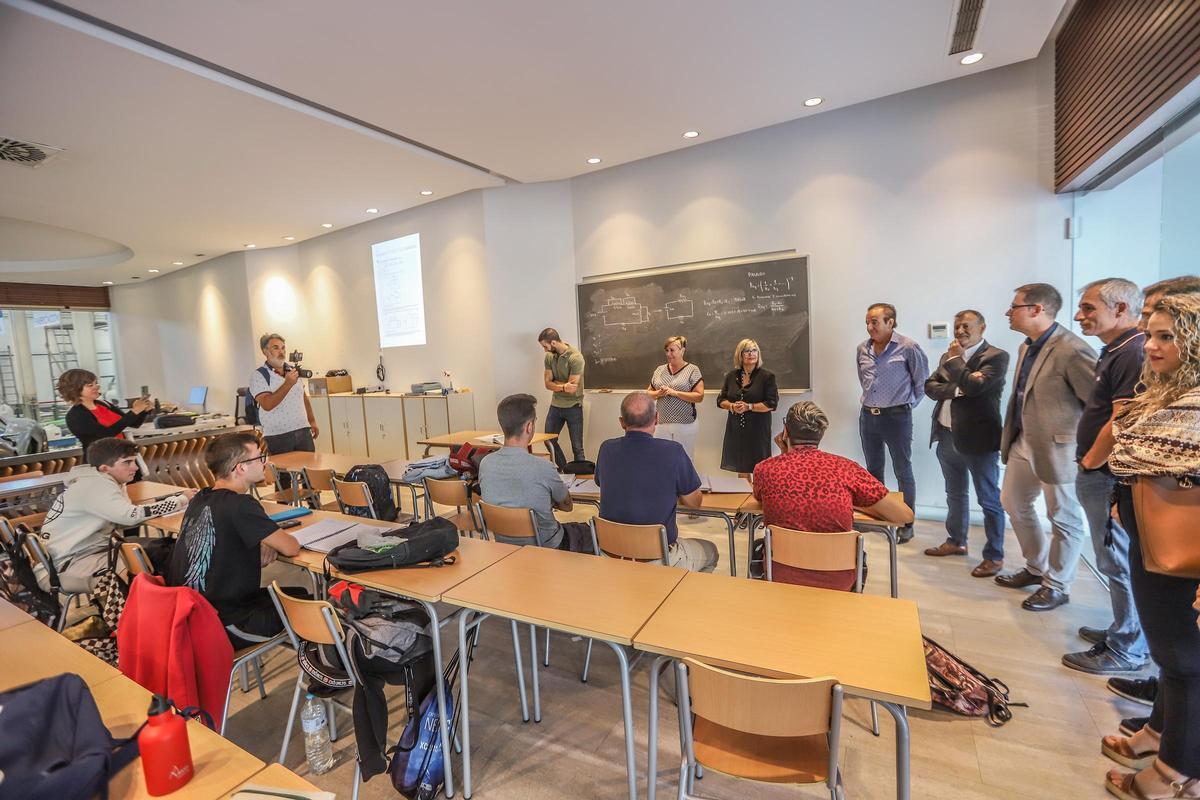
{"x":749,"y":394}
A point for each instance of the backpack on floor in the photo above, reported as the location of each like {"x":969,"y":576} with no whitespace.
{"x":18,"y":585}
{"x":377,"y":480}
{"x":957,"y":686}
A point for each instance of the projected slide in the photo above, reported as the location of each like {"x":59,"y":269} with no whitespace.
{"x":398,"y":295}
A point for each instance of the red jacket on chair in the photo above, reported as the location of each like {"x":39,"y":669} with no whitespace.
{"x":171,"y":641}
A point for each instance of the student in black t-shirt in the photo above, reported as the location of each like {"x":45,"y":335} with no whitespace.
{"x":227,"y":538}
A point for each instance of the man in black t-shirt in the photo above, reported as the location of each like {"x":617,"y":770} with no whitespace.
{"x":227,"y":538}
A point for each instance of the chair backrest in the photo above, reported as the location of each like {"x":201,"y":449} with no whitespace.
{"x":448,"y":491}
{"x":509,"y":525}
{"x":29,"y":522}
{"x":622,"y":540}
{"x":354,"y":493}
{"x":820,"y":552}
{"x":136,"y":560}
{"x":7,"y":534}
{"x":319,"y":480}
{"x":37,"y":553}
{"x":311,"y":620}
{"x":762,"y":706}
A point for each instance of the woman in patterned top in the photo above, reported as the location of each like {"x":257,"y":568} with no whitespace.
{"x":1158,"y":434}
{"x":677,"y":386}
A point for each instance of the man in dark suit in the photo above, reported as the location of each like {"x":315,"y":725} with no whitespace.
{"x":966,"y":430}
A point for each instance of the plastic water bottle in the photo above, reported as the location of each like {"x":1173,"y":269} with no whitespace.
{"x":317,"y":748}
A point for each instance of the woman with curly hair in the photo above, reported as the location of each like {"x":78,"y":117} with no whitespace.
{"x":89,"y":417}
{"x":1157,"y":435}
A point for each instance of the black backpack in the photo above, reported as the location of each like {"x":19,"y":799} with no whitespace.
{"x":250,"y":410}
{"x":20,"y":587}
{"x":421,"y":544}
{"x":377,"y":480}
{"x":55,"y":745}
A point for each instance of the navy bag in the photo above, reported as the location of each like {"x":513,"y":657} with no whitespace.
{"x":250,"y":408}
{"x":55,"y":746}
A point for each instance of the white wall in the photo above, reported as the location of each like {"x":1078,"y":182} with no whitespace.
{"x":186,"y":329}
{"x":1120,"y":231}
{"x":934,"y":200}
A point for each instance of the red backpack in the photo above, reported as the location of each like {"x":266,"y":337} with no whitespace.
{"x":465,"y":459}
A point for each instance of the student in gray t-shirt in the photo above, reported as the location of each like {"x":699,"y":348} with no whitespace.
{"x":514,"y":478}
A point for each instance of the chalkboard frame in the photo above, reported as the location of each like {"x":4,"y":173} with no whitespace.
{"x":713,"y":381}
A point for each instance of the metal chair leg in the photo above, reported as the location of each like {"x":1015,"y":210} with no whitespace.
{"x":587,"y":662}
{"x":243,"y":677}
{"x":287,"y":733}
{"x":357,"y":778}
{"x":262,"y":689}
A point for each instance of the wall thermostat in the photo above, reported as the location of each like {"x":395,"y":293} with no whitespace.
{"x":939,"y":330}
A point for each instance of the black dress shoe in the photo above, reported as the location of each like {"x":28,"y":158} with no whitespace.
{"x":904,"y":535}
{"x":1045,"y":599}
{"x":1139,"y":690}
{"x":1132,"y":725}
{"x":1101,"y":660}
{"x":1093,"y":635}
{"x":1019,"y":579}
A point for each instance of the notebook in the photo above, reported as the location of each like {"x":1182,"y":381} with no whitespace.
{"x":318,"y":531}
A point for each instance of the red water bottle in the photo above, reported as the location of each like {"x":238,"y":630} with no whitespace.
{"x":163,"y":742}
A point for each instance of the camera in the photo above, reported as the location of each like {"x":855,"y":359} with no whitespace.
{"x":296,"y":357}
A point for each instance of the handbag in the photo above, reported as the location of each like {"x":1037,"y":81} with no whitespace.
{"x":1168,"y":523}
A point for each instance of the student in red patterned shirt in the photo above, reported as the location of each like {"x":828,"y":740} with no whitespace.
{"x":806,"y":489}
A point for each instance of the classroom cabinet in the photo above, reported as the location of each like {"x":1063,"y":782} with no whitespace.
{"x":320,"y":409}
{"x":348,"y":425}
{"x":434,"y":415}
{"x":384,"y":417}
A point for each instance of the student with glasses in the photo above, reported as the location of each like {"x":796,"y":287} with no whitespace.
{"x":90,"y":418}
{"x":225,"y":540}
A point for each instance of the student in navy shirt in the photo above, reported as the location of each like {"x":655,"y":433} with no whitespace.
{"x":643,"y":479}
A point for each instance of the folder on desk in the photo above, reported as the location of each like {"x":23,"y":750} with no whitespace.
{"x":318,"y":532}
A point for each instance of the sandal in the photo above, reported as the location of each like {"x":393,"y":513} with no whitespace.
{"x":1124,"y":785}
{"x":1121,"y":751}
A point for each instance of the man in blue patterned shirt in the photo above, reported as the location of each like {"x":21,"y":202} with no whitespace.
{"x":892,"y":370}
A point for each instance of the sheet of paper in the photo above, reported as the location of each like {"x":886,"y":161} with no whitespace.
{"x":728,"y":483}
{"x":334,"y":540}
{"x":319,"y":530}
{"x":585,"y":486}
{"x":495,"y":438}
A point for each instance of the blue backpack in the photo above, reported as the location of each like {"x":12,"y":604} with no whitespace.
{"x":250,"y":411}
{"x":55,"y":746}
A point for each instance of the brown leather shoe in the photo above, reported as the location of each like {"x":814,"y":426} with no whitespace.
{"x":987,"y":568}
{"x":946,"y":548}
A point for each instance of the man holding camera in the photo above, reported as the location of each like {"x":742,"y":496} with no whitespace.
{"x":284,"y":412}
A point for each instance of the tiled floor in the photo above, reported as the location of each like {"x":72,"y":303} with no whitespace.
{"x":1050,"y":749}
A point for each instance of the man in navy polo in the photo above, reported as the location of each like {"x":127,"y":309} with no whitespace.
{"x":892,"y":370}
{"x":642,"y":480}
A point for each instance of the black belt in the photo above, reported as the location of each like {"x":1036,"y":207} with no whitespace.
{"x":875,"y":411}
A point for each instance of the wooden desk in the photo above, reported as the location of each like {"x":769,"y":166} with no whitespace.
{"x":219,"y":764}
{"x":10,"y":615}
{"x":32,"y":651}
{"x":601,"y":598}
{"x":276,"y":776}
{"x":474,"y":437}
{"x":148,"y":491}
{"x":297,"y":461}
{"x":720,"y":505}
{"x":862,"y":521}
{"x":872,"y":645}
{"x":430,"y":585}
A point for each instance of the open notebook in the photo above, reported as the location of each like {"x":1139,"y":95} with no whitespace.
{"x":324,"y":536}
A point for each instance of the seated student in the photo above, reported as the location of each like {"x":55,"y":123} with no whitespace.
{"x":94,"y":505}
{"x":807,"y":489}
{"x":515,"y":478}
{"x":642,"y":480}
{"x":225,"y":540}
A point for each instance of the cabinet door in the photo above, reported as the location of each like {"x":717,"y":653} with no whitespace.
{"x":384,"y":417}
{"x":414,"y":425}
{"x":461,"y":408}
{"x":349,"y":426}
{"x":437,"y":420}
{"x":320,"y":407}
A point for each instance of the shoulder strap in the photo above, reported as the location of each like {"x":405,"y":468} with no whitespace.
{"x":266,"y":373}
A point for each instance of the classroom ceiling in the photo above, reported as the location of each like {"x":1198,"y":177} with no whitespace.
{"x":164,"y":159}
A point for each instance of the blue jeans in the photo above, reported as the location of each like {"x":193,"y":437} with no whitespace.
{"x":1111,"y":544}
{"x":984,"y":469}
{"x":891,"y":428}
{"x":573,"y":418}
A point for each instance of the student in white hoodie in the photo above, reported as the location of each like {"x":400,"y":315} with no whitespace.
{"x":93,"y":506}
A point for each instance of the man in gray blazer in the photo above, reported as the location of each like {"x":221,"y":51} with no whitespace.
{"x":1055,"y":373}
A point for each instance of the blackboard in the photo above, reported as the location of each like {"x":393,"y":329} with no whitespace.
{"x":624,"y":321}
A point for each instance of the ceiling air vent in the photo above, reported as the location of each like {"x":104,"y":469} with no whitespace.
{"x":26,"y":154}
{"x":966,"y":25}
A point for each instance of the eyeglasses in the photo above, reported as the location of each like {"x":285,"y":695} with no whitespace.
{"x":1015,"y":306}
{"x":749,"y":352}
{"x":261,"y":458}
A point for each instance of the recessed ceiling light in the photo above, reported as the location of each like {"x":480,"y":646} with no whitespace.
{"x":176,"y":263}
{"x":249,"y":246}
{"x":289,"y":238}
{"x":594,"y":160}
{"x":426,"y":192}
{"x":971,"y":58}
{"x":108,"y":283}
{"x":372,"y":210}
{"x":326,"y":224}
{"x":154,"y":271}
{"x":814,"y":101}
{"x":690,"y":134}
